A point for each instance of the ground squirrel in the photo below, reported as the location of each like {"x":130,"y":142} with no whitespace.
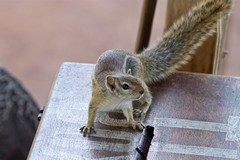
{"x":120,"y":77}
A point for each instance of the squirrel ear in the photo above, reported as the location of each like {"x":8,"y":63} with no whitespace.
{"x":110,"y":82}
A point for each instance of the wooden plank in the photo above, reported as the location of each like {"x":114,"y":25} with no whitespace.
{"x":196,"y":116}
{"x":145,"y":26}
{"x":202,"y":61}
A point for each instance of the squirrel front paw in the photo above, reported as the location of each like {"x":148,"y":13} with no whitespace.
{"x":137,"y":125}
{"x":86,"y":130}
{"x":138,"y":113}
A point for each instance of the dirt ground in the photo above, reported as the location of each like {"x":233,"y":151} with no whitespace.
{"x":37,"y":36}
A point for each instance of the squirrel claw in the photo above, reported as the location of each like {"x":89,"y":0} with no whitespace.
{"x":137,"y":124}
{"x":86,"y":130}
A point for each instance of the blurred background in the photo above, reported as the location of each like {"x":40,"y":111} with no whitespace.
{"x":37,"y":36}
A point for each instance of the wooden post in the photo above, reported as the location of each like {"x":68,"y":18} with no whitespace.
{"x":202,"y":61}
{"x":220,"y":42}
{"x":145,"y":25}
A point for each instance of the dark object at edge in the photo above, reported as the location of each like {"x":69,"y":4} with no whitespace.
{"x":18,"y":122}
{"x":144,"y":143}
{"x":40,"y":113}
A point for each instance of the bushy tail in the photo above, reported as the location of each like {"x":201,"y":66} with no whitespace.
{"x":180,"y":41}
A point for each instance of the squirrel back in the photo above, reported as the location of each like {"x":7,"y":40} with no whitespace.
{"x":181,"y":40}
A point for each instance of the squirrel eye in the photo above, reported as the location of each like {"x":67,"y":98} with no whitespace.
{"x":125,"y":86}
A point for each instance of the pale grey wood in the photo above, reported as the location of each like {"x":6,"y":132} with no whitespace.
{"x":58,"y":136}
{"x":61,"y":119}
{"x":184,"y":104}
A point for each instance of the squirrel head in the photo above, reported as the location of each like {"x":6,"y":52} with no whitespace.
{"x":125,"y":86}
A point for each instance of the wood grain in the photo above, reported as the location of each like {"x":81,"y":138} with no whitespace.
{"x":196,"y":116}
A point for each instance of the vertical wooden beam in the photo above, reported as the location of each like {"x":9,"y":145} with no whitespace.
{"x":220,"y":42}
{"x":145,"y":26}
{"x":202,"y":61}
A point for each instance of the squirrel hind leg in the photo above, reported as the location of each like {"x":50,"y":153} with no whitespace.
{"x":131,"y":66}
{"x":129,"y":71}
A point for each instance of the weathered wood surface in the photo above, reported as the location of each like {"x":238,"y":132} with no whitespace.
{"x":196,"y":116}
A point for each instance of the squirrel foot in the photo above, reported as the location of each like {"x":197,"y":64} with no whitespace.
{"x":138,"y":113}
{"x":137,"y":124}
{"x":86,"y":130}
